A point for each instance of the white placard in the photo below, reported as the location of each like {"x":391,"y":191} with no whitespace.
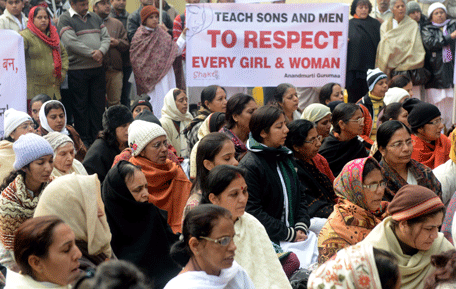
{"x":265,"y":45}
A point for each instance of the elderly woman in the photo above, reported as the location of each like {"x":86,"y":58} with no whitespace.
{"x":359,"y":266}
{"x":15,"y":124}
{"x":304,"y":141}
{"x":207,"y":252}
{"x":226,"y":187}
{"x":360,"y":188}
{"x":364,"y":35}
{"x":82,"y":209}
{"x":396,"y":146}
{"x":53,"y":118}
{"x":140,"y":233}
{"x":64,"y":161}
{"x":22,"y":188}
{"x":175,"y":118}
{"x":286,"y":97}
{"x":411,"y":233}
{"x":239,"y":110}
{"x":46,"y":59}
{"x":330,"y":92}
{"x":167,"y":183}
{"x":343,"y":145}
{"x":319,"y":114}
{"x":431,"y":148}
{"x":439,"y":36}
{"x":46,"y":254}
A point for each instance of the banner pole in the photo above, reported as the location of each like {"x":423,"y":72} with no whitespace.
{"x":161,"y":11}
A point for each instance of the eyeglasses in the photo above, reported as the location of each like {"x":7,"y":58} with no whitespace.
{"x":159,"y":144}
{"x":26,"y":125}
{"x":314,"y":139}
{"x":400,"y":144}
{"x":436,"y":122}
{"x":374,"y":187}
{"x":224,"y":241}
{"x":360,"y":120}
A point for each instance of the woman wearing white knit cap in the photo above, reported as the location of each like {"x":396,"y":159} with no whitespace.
{"x":22,"y":188}
{"x":167,"y":183}
{"x":15,"y":124}
{"x":319,"y":114}
{"x":64,"y":161}
{"x":395,"y":94}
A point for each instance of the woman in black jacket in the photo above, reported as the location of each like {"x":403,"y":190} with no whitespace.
{"x":275,"y":196}
{"x":439,"y":36}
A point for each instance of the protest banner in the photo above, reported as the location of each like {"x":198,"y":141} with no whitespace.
{"x":265,"y":45}
{"x":13,"y":78}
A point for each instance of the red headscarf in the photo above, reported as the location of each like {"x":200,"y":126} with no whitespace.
{"x":52,"y":40}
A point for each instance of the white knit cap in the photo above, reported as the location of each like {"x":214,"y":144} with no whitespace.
{"x":141,"y":133}
{"x":315,"y":112}
{"x":28,"y":148}
{"x":13,"y":119}
{"x":56,"y":139}
{"x":395,"y":94}
{"x":434,"y":6}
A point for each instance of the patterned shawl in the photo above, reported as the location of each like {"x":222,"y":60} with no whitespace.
{"x":152,"y":53}
{"x":238,"y":144}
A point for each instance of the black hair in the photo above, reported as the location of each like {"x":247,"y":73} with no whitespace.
{"x":38,"y":9}
{"x":75,"y":1}
{"x":280,"y":91}
{"x":387,"y":129}
{"x":370,"y":165}
{"x":387,"y":268}
{"x":208,"y":148}
{"x":399,"y":81}
{"x":218,"y":180}
{"x":343,"y":112}
{"x":176,"y":92}
{"x":209,"y":93}
{"x":391,"y":111}
{"x":235,"y":106}
{"x":53,"y":105}
{"x":357,"y":3}
{"x":198,"y":223}
{"x":11,"y":177}
{"x":262,"y":120}
{"x":297,"y":134}
{"x":326,"y":91}
{"x":420,"y":219}
{"x":40,"y":97}
{"x":128,"y":170}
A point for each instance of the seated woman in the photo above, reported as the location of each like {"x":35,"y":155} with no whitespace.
{"x":64,"y":161}
{"x":22,"y":189}
{"x":175,"y":118}
{"x":276,"y":198}
{"x":396,"y":145}
{"x":402,"y":81}
{"x":53,"y":118}
{"x":46,"y":254}
{"x":286,"y":97}
{"x":431,"y":148}
{"x":111,"y":141}
{"x":213,"y":99}
{"x":358,"y":266}
{"x":82,"y":209}
{"x":360,"y":188}
{"x":167,"y":183}
{"x":35,"y":106}
{"x":15,"y":124}
{"x":140,"y":233}
{"x":320,"y":115}
{"x":140,"y":105}
{"x":226,"y":187}
{"x":304,"y":141}
{"x":206,"y":252}
{"x":444,"y":276}
{"x":411,"y":233}
{"x":239,"y":110}
{"x":394,"y":111}
{"x":343,"y":145}
{"x":331,"y":92}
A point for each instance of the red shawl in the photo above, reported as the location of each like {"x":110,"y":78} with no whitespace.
{"x":52,"y":40}
{"x":152,"y":54}
{"x":431,"y":155}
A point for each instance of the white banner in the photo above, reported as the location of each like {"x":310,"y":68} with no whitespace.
{"x":265,"y":45}
{"x":13,"y":78}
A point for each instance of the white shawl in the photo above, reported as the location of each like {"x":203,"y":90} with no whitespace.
{"x":18,"y":281}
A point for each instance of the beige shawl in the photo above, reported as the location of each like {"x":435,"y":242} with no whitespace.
{"x":256,"y":255}
{"x":400,"y":48}
{"x":414,"y":269}
{"x":7,"y":158}
{"x":76,"y":168}
{"x":75,"y":199}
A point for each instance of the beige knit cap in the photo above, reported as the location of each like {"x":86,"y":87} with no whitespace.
{"x":141,"y":133}
{"x":56,"y":139}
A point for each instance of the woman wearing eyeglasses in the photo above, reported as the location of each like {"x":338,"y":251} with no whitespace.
{"x":206,"y":251}
{"x":431,"y":148}
{"x":360,"y":188}
{"x":395,"y":144}
{"x":312,"y":168}
{"x":168,"y":186}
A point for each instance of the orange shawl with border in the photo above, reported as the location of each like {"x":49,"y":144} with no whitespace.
{"x":431,"y":155}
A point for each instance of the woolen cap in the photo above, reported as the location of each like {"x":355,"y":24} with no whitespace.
{"x":148,"y":116}
{"x":373,"y":76}
{"x":395,"y":94}
{"x":28,"y":148}
{"x":57,"y":139}
{"x":412,"y":201}
{"x":116,"y":116}
{"x":141,"y":133}
{"x":410,"y":103}
{"x":144,"y":99}
{"x":315,"y":112}
{"x":14,"y":118}
{"x":147,"y":11}
{"x":421,"y":114}
{"x":411,"y":7}
{"x":435,"y":6}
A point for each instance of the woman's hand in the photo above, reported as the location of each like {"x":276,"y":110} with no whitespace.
{"x":184,"y":32}
{"x":453,"y":35}
{"x":300,"y":236}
